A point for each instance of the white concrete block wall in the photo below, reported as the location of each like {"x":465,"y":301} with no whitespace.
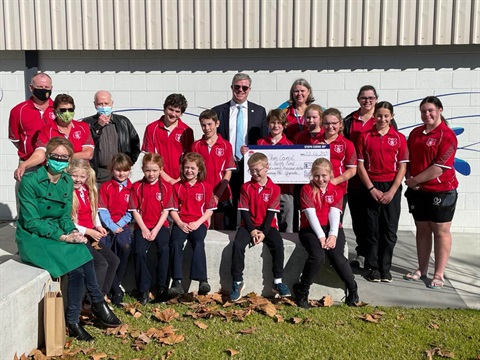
{"x":142,"y":79}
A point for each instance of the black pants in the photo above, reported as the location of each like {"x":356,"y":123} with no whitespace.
{"x":316,"y":258}
{"x":198,"y":267}
{"x":106,"y":264}
{"x":236,"y":181}
{"x":382,"y":221}
{"x":142,"y":247}
{"x":357,"y":198}
{"x":274,"y":242}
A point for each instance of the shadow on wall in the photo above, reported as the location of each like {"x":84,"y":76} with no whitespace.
{"x":6,"y":215}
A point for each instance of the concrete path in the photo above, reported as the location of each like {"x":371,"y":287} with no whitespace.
{"x":461,"y":290}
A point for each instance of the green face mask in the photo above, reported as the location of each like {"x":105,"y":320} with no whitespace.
{"x":66,"y":117}
{"x":57,"y":166}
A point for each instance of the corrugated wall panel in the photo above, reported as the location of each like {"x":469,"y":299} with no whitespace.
{"x":235,"y":24}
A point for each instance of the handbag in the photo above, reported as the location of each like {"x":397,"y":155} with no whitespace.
{"x":54,"y":319}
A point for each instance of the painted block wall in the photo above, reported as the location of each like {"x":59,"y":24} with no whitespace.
{"x":142,"y":79}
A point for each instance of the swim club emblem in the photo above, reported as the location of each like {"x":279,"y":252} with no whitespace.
{"x":199,"y":196}
{"x":158,"y":196}
{"x":431,"y":141}
{"x":178,"y":137}
{"x":266,"y":197}
{"x":52,"y":116}
{"x":77,"y":135}
{"x":126,"y":197}
{"x":329,"y":199}
{"x":392,"y":141}
{"x":219,"y":151}
{"x":338,"y":148}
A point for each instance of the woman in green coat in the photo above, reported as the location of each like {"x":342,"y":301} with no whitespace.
{"x":46,"y":235}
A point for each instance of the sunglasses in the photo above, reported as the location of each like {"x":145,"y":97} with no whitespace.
{"x":65,"y":110}
{"x":243,"y":87}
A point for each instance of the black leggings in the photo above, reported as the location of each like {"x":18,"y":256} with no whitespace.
{"x":316,"y":258}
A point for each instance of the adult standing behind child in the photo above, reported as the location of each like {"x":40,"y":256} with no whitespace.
{"x":259,"y":204}
{"x":219,"y":164}
{"x":170,"y":137}
{"x":432,"y":189}
{"x":114,"y":196}
{"x":193,"y":206}
{"x":382,"y":163}
{"x":150,"y":203}
{"x":321,"y":233}
{"x":277,"y":123}
{"x":301,"y":95}
{"x":47,"y":237}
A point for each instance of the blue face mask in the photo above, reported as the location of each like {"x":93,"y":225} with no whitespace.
{"x":104,"y":110}
{"x":57,"y":166}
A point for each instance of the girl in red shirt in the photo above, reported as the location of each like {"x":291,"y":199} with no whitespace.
{"x":150,"y":203}
{"x":193,"y":205}
{"x":313,"y":131}
{"x":321,"y":232}
{"x":85,"y":217}
{"x":382,"y":163}
{"x":432,"y":189}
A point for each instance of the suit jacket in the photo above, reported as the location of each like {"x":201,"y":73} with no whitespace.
{"x":257,"y":128}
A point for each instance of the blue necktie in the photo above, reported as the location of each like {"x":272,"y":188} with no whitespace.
{"x":239,"y":136}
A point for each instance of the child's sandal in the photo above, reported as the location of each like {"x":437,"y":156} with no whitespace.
{"x":436,"y":283}
{"x":414,"y":276}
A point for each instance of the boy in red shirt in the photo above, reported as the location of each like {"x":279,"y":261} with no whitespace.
{"x":219,"y":163}
{"x":258,"y":204}
{"x":170,"y":137}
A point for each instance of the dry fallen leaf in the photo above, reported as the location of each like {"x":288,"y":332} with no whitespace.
{"x":98,"y":356}
{"x":172,"y":339}
{"x":144,"y":338}
{"x":36,"y":354}
{"x":326,"y":301}
{"x":368,"y":318}
{"x":166,"y":315}
{"x":250,"y":330}
{"x":295,"y":320}
{"x":231,"y":352}
{"x":135,"y":333}
{"x":434,"y":326}
{"x":401,"y":317}
{"x":446,"y":353}
{"x":200,"y":324}
{"x":168,"y":354}
{"x":279,"y":318}
{"x":269,"y":309}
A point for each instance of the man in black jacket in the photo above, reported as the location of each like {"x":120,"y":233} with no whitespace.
{"x":112,"y":134}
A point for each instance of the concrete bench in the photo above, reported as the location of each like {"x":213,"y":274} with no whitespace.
{"x":257,"y":275}
{"x":21,"y":307}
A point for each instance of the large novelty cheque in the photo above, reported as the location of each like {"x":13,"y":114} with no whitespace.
{"x":288,"y":164}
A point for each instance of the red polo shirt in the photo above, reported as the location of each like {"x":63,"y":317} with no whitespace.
{"x":382,"y":154}
{"x":79,"y":135}
{"x":218,"y":159}
{"x":24,"y":124}
{"x":342,"y":156}
{"x":306,"y":138}
{"x":321,"y":202}
{"x":192,"y":201}
{"x":170,"y":144}
{"x":84,"y":210}
{"x":258,"y":200}
{"x":438,"y":147}
{"x":358,"y":126}
{"x":296,"y":123}
{"x":267,"y":140}
{"x":114,"y":198}
{"x":150,"y":200}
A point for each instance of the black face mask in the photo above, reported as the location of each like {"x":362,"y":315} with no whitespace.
{"x":42,"y":94}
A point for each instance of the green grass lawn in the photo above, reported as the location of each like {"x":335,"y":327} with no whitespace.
{"x":336,"y":332}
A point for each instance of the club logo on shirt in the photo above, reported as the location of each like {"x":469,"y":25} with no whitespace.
{"x":199,"y":196}
{"x":158,"y":196}
{"x":219,"y":151}
{"x":431,"y":141}
{"x":126,"y":197}
{"x":52,"y":116}
{"x":77,"y":135}
{"x":266,"y":197}
{"x":338,"y":148}
{"x":178,"y":137}
{"x":392,"y":141}
{"x":329,"y":199}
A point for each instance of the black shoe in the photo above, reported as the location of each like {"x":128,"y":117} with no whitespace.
{"x":203,"y":288}
{"x":352,"y":297}
{"x":162,"y":296}
{"x":176,"y":290}
{"x":373,"y":276}
{"x":144,"y":298}
{"x":386,"y":276}
{"x":103,"y":313}
{"x":117,"y":300}
{"x":78,"y":332}
{"x":301,"y":295}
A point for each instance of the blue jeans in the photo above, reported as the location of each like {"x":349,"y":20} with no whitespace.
{"x":78,"y":279}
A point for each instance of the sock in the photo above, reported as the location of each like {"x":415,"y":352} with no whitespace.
{"x":277,"y":281}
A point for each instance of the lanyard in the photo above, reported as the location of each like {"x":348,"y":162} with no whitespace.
{"x":300,"y":119}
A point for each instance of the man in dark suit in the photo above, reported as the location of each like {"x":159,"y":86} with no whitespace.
{"x":242,"y":123}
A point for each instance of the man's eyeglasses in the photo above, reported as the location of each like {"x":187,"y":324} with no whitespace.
{"x":255,"y":171}
{"x":243,"y":87}
{"x":65,"y":110}
{"x":369,"y":98}
{"x":59,"y":157}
